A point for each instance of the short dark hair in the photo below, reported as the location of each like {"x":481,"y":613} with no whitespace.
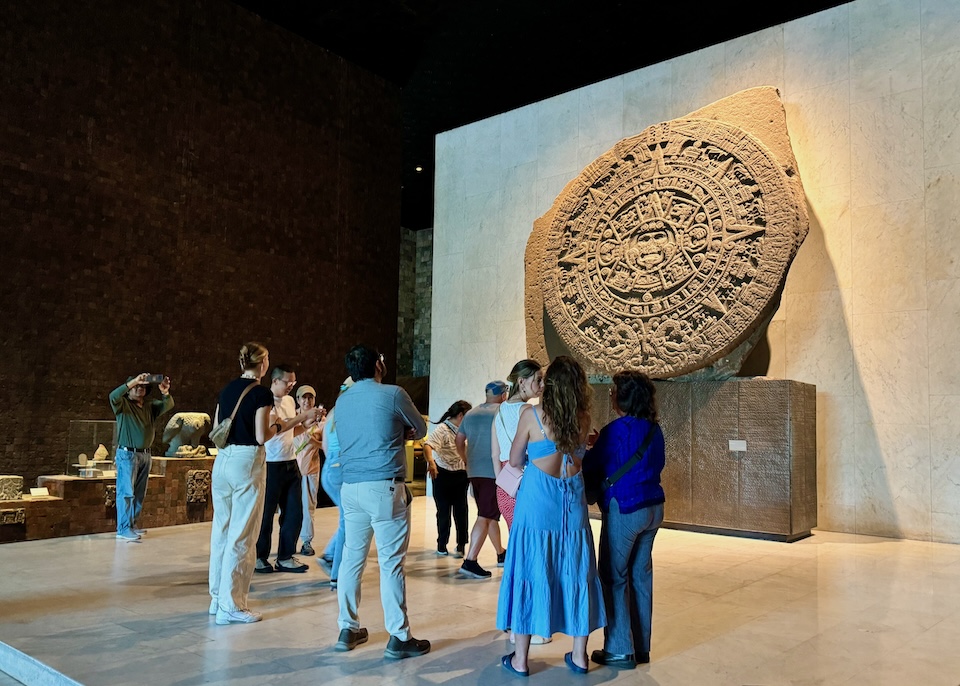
{"x":361,"y":362}
{"x":279,"y":370}
{"x":636,"y":395}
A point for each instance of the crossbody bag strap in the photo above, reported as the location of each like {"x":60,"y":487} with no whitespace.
{"x":631,"y":463}
{"x":240,"y":400}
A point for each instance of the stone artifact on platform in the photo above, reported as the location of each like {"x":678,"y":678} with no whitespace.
{"x":669,"y":252}
{"x":11,"y":487}
{"x":198,"y":485}
{"x":186,"y":429}
{"x":101,"y":454}
{"x":110,"y":495}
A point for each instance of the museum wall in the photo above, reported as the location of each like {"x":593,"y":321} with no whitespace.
{"x":177,"y":177}
{"x":871,"y":307}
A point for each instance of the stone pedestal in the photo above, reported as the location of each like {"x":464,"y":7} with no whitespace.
{"x":741,"y":457}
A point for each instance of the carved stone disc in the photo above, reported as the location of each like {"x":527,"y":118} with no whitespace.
{"x":664,"y":253}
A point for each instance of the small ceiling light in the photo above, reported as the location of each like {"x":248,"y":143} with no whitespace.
{"x":418,"y":168}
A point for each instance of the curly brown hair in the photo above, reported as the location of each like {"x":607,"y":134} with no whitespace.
{"x":566,"y":399}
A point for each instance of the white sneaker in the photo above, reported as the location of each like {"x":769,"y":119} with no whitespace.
{"x":214,"y":606}
{"x":238,"y":617}
{"x":140,"y":531}
{"x":540,"y":640}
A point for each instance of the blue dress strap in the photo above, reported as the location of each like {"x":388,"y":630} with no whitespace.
{"x":536,"y":416}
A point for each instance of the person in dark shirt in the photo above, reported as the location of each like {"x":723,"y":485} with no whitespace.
{"x":135,"y":431}
{"x":632,"y":511}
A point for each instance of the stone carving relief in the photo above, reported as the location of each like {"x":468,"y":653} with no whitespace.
{"x":670,"y":251}
{"x":110,"y":495}
{"x":11,"y":487}
{"x":186,"y":430}
{"x":198,"y":485}
{"x":16,"y":516}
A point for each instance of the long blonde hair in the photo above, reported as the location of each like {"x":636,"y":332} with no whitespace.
{"x":566,"y":400}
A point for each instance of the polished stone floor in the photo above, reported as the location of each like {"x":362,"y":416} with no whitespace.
{"x":831,"y":609}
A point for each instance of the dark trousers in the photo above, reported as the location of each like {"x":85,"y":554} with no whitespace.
{"x":450,"y":494}
{"x":283,"y":489}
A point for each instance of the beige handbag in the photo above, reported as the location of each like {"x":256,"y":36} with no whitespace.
{"x":221,"y":432}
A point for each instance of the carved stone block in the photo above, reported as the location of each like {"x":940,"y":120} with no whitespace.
{"x":198,"y":485}
{"x":15,"y":516}
{"x":11,"y":487}
{"x":110,"y":495}
{"x":186,"y":430}
{"x":669,"y":252}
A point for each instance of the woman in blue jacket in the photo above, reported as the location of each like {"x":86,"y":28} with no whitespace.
{"x":632,"y":512}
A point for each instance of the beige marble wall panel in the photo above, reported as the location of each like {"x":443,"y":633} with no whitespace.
{"x":824,"y":260}
{"x":890,"y":260}
{"x":945,"y":454}
{"x":945,"y":527}
{"x":837,"y":482}
{"x":893,"y":472}
{"x":548,"y":188}
{"x":886,"y":144}
{"x":480,"y":315}
{"x":518,"y":137}
{"x":647,"y":97}
{"x":819,"y":123}
{"x":517,"y":213}
{"x":754,"y":60}
{"x":890,"y":380}
{"x":816,"y":49}
{"x":445,"y":356}
{"x":818,"y":347}
{"x":884,"y":47}
{"x":942,"y":217}
{"x":941,"y":110}
{"x":511,"y":346}
{"x":482,"y":162}
{"x":478,"y":367}
{"x":698,"y":78}
{"x":940,"y":26}
{"x":447,"y":306}
{"x":943,"y":331}
{"x":481,"y":227}
{"x":558,"y":124}
{"x":601,"y":115}
{"x":777,"y":340}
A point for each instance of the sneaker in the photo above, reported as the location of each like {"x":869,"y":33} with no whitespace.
{"x":238,"y":617}
{"x":501,"y":558}
{"x":333,"y":584}
{"x":263,"y":566}
{"x":350,"y":639}
{"x":214,"y":606}
{"x":128,"y":536}
{"x":326,"y":564}
{"x":142,"y":532}
{"x":540,"y":640}
{"x":442,"y":552}
{"x":472,"y":570}
{"x":292,"y":565}
{"x":307,"y":549}
{"x":398,"y":650}
{"x":460,"y":552}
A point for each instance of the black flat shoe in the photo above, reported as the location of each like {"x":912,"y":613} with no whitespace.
{"x":602,"y":657}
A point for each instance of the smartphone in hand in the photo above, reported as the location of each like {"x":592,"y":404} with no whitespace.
{"x":154,"y":378}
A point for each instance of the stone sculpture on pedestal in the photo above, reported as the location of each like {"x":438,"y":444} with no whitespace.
{"x":11,"y":487}
{"x":198,"y":485}
{"x":184,"y":433}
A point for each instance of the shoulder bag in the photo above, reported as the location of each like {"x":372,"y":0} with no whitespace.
{"x":221,"y":432}
{"x":509,"y":477}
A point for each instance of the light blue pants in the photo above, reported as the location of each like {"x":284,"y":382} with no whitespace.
{"x":626,"y":575}
{"x":331,"y":478}
{"x":133,"y":470}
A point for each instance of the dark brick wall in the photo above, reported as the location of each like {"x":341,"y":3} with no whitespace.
{"x":177,"y":177}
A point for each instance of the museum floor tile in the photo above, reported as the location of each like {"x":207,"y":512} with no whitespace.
{"x":831,"y":609}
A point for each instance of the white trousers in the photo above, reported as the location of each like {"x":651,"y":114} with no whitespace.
{"x":310,"y":484}
{"x":239,"y":480}
{"x":381,"y":509}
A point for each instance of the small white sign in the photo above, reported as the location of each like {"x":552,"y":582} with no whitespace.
{"x":738,"y":446}
{"x":40,"y":492}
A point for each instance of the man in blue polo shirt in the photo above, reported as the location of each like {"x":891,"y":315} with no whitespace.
{"x":373,"y":422}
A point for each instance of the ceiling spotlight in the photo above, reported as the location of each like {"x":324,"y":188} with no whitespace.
{"x":418,"y":168}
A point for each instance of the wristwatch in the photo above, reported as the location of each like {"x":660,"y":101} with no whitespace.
{"x":278,"y":425}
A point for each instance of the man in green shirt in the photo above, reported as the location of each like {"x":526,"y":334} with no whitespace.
{"x":135,"y":420}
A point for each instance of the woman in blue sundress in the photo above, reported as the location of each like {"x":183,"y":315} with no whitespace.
{"x":550,"y":581}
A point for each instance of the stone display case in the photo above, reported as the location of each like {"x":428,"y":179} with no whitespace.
{"x":84,"y":437}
